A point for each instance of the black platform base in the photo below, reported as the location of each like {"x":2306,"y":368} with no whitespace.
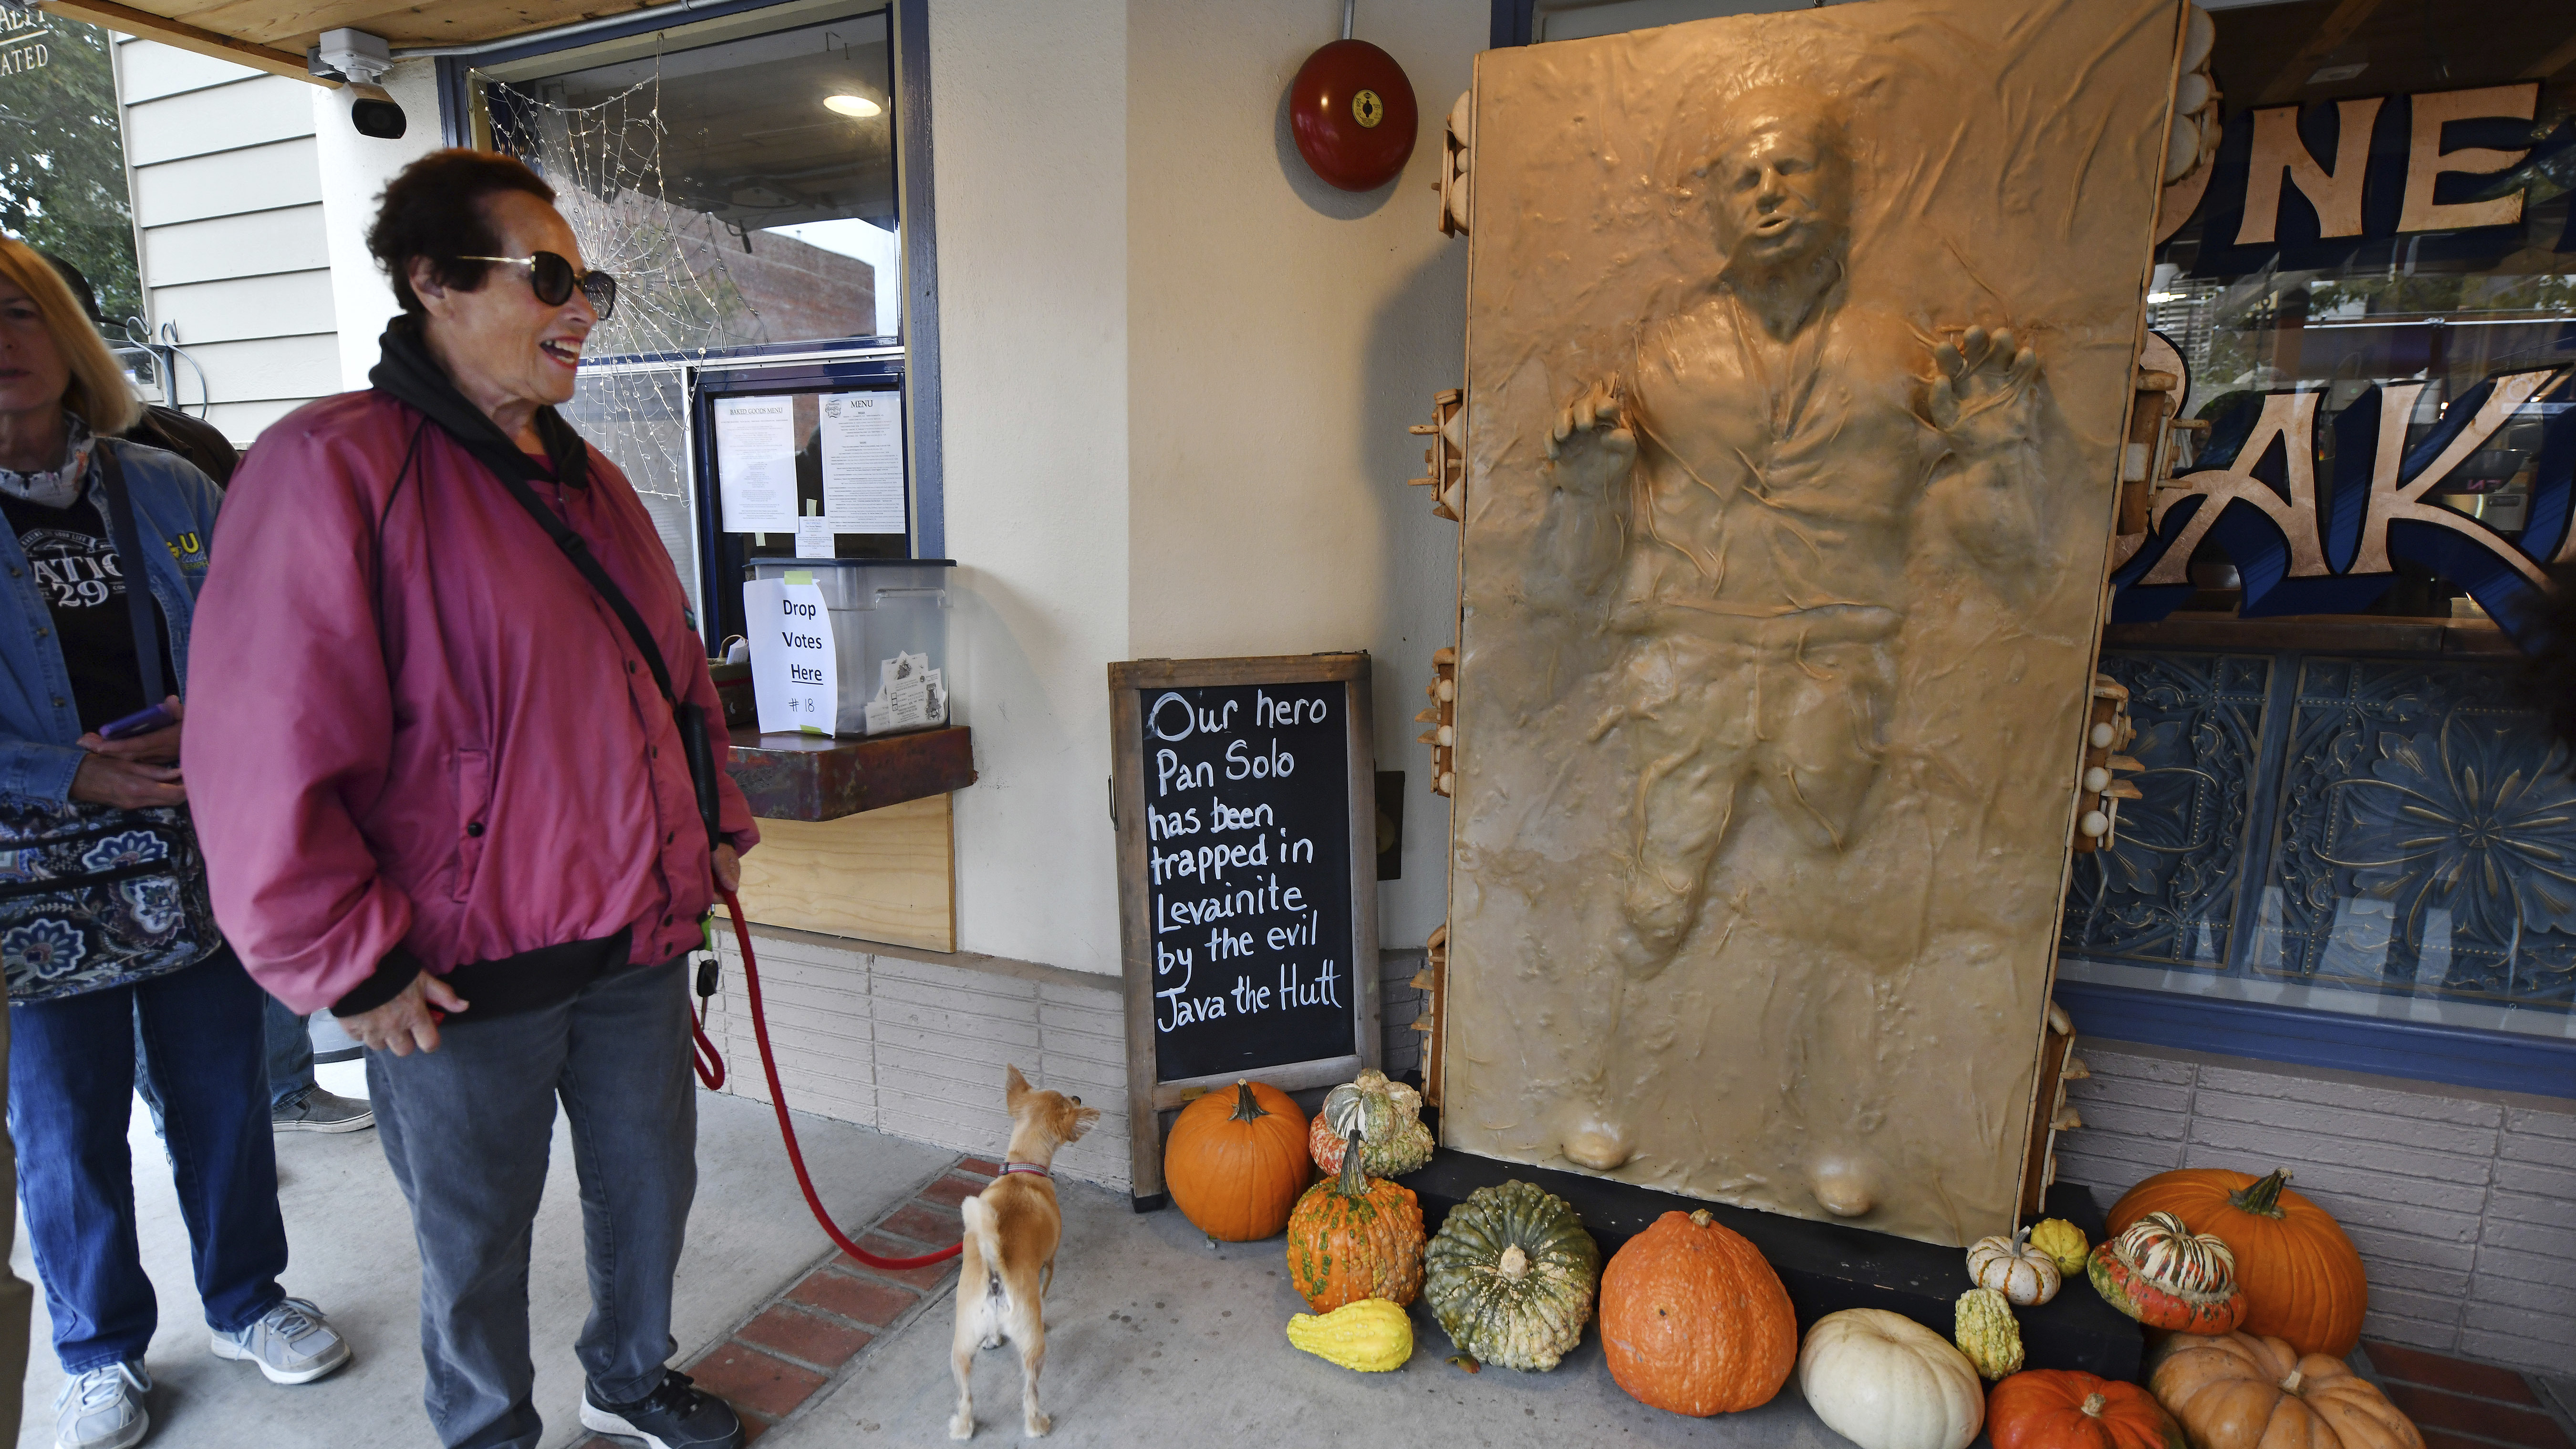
{"x":1828,"y":1267}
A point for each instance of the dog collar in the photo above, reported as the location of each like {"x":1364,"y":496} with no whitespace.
{"x":1011,"y":1167}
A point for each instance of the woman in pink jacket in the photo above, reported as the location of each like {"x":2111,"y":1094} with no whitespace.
{"x":445,"y":793}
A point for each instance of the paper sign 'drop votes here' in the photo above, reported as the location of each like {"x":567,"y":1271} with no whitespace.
{"x":1247,"y":796}
{"x":795,"y":671}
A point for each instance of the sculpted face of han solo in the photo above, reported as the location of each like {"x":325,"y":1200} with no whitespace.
{"x":1754,"y":480}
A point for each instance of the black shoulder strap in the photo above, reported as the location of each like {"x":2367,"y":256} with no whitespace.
{"x":515,"y":479}
{"x":141,"y":605}
{"x":514,"y":470}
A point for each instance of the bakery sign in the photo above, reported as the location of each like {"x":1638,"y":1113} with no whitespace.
{"x":2299,"y":187}
{"x":2306,"y":544}
{"x":2296,"y":189}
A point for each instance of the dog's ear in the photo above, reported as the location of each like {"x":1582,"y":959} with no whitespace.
{"x":1014,"y":1087}
{"x":1079,"y":1121}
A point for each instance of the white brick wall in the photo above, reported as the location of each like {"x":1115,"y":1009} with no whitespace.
{"x":916,"y":1047}
{"x":914,"y":1044}
{"x":2463,"y":1202}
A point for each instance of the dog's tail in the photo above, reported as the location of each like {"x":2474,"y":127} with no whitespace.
{"x":986,"y":1229}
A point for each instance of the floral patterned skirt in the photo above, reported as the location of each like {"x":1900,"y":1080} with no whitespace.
{"x":93,"y":897}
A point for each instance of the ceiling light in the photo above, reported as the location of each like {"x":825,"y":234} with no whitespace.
{"x":859,"y":106}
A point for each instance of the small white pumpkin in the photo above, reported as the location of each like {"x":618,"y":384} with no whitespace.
{"x":2013,"y":1268}
{"x":1884,"y":1381}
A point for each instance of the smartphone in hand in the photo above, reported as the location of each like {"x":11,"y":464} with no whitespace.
{"x":141,"y":722}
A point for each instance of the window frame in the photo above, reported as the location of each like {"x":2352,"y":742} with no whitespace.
{"x":916,"y":222}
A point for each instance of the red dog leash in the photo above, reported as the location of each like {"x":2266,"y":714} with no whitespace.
{"x":778,"y":1100}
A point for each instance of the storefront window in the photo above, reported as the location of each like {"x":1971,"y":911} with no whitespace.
{"x":2360,"y":809}
{"x":742,"y":188}
{"x":739,"y":175}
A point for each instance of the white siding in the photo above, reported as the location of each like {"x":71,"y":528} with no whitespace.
{"x":228,"y":227}
{"x":229,"y":183}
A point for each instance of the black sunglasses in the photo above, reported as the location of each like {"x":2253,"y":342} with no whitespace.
{"x":552,"y":279}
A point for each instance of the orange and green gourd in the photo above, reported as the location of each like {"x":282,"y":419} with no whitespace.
{"x":2164,"y":1275}
{"x":1354,"y":1236}
{"x":2302,"y":1277}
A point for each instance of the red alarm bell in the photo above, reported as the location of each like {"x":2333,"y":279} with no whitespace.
{"x":1352,"y":110}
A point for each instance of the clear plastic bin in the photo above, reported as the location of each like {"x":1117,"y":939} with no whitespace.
{"x":884,"y":612}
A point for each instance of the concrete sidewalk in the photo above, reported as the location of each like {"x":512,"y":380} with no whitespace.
{"x":1155,"y":1339}
{"x":352,"y":1253}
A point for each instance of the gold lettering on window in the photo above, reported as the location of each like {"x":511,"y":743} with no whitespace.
{"x":2426,"y":161}
{"x":2335,"y":194}
{"x":2290,"y":418}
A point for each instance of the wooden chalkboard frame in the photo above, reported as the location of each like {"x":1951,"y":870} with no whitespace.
{"x":1148,"y":1098}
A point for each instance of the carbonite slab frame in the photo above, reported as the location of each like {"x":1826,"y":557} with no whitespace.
{"x":1781,"y":581}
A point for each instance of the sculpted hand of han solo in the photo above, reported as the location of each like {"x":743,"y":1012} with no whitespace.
{"x":1755,"y":478}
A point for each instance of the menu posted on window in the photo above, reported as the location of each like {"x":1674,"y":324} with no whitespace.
{"x":862,"y":451}
{"x":756,"y":463}
{"x":1246,"y":816}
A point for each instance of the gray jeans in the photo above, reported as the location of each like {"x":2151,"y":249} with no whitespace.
{"x":467,"y":1129}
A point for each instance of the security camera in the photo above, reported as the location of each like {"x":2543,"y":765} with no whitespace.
{"x":374,"y":113}
{"x":358,"y":59}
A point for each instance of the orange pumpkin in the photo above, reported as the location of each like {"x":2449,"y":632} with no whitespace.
{"x":2068,"y":1409}
{"x":1355,"y":1236}
{"x":2243,"y":1392}
{"x":1694,"y":1321}
{"x":1235,"y":1163}
{"x":2302,"y":1277}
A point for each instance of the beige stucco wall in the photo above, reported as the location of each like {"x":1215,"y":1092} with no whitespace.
{"x":1282,"y":336}
{"x":1029,"y":124}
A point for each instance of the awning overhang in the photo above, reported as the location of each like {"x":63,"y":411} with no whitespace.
{"x":272,"y":35}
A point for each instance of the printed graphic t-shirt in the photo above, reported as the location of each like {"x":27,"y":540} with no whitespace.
{"x":83,"y":583}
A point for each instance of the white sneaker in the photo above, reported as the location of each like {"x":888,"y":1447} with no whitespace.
{"x":292,"y":1344}
{"x":103,"y":1408}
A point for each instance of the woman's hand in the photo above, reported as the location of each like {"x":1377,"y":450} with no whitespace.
{"x":127,"y":785}
{"x":158,"y":747}
{"x":727,"y":870}
{"x":408,"y":1021}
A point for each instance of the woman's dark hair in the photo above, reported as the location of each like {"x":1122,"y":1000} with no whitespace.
{"x":434,"y":208}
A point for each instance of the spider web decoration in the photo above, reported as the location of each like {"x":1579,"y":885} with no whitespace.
{"x":676,"y":301}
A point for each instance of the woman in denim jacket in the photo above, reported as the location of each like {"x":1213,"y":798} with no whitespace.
{"x":106,"y":933}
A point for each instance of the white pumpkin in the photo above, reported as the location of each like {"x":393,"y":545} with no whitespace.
{"x":2011,"y":1267}
{"x":1884,"y":1381}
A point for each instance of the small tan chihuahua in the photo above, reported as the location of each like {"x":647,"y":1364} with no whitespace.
{"x":1012,"y":1229}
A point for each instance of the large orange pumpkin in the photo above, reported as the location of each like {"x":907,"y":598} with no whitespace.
{"x":1694,"y":1321}
{"x":1354,"y":1236}
{"x":1236,"y":1162}
{"x":2069,"y":1409}
{"x":2302,"y":1277}
{"x":2242,"y":1392}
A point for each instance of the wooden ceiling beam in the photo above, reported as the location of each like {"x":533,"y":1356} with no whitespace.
{"x":179,"y":33}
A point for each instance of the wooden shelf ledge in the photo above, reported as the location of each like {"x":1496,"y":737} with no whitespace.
{"x":817,"y":777}
{"x":2325,"y":633}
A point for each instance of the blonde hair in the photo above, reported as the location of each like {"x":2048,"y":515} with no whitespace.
{"x":98,"y":390}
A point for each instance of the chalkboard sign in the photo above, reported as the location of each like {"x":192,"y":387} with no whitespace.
{"x":1246,"y":801}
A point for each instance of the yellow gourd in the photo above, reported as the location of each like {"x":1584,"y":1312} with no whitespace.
{"x":1369,"y":1336}
{"x":2064,"y":1244}
{"x":1987,"y":1333}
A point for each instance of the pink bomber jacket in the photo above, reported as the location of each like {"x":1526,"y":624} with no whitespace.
{"x":413,"y":730}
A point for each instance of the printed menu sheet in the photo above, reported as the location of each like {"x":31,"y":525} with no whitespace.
{"x":862,"y":436}
{"x":756,"y":463}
